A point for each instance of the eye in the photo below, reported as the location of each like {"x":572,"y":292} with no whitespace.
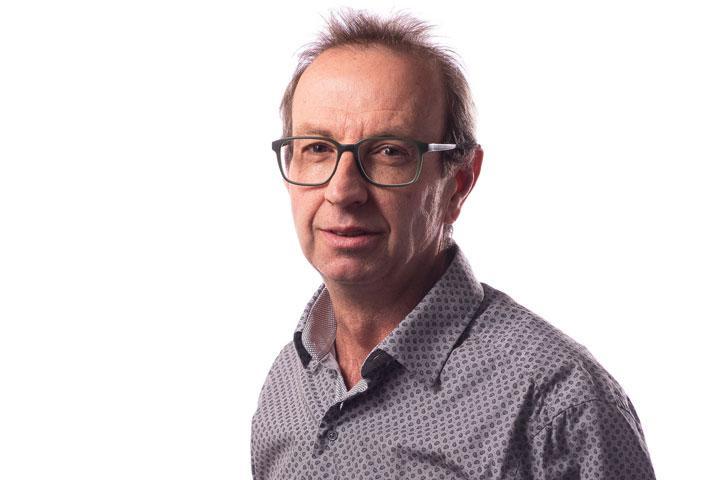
{"x":391,"y":151}
{"x":319,"y":148}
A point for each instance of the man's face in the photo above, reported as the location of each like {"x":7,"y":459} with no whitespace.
{"x":390,"y":235}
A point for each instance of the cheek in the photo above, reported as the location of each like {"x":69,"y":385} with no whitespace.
{"x":429,"y":213}
{"x":412,"y":215}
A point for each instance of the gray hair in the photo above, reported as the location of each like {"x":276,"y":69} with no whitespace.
{"x":401,"y":33}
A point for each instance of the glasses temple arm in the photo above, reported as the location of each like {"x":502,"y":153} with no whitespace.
{"x":441,"y":147}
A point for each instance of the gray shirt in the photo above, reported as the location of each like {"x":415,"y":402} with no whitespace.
{"x":469,"y":385}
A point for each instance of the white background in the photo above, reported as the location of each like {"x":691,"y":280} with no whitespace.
{"x":149,"y":271}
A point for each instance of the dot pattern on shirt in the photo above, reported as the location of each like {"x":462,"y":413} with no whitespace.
{"x":469,"y":385}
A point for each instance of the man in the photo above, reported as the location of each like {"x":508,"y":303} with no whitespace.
{"x":403,"y":365}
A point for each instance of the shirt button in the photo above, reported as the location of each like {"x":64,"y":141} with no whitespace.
{"x":332,"y":435}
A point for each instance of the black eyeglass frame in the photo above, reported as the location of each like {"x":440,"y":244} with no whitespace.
{"x":341,"y":148}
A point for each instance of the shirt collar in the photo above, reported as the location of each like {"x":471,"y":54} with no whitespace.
{"x":312,"y":342}
{"x":422,"y":341}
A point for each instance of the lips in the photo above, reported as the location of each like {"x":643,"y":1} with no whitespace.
{"x":350,"y":231}
{"x":351,"y":237}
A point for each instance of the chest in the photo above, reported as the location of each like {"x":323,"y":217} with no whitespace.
{"x":398,"y":428}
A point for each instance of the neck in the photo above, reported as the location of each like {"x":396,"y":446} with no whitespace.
{"x":366,"y":314}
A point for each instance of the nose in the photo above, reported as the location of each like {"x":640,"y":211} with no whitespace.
{"x":347,"y":186}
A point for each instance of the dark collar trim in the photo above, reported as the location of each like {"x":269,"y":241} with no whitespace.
{"x":304,"y":355}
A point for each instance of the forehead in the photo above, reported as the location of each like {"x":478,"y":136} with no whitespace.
{"x":369,"y":90}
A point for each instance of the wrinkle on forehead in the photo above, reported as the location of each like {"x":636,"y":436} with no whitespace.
{"x":364,"y":99}
{"x":342,"y":124}
{"x":356,"y":123}
{"x":360,"y":112}
{"x":354,"y":91}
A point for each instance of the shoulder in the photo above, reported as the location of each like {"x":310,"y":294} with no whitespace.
{"x":549,"y":369}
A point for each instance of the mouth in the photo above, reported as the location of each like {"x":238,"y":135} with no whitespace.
{"x":350,"y":237}
{"x":351,"y":230}
{"x":354,"y":233}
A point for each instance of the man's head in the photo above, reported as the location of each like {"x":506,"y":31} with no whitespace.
{"x":368,"y":77}
{"x":403,"y":34}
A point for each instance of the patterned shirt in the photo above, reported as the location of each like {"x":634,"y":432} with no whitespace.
{"x":469,"y":385}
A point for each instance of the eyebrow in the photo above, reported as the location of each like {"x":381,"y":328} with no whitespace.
{"x":305,"y":129}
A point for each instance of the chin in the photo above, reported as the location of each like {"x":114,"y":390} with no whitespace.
{"x":348,"y":271}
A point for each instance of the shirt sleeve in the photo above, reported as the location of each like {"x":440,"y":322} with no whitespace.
{"x":591,"y":440}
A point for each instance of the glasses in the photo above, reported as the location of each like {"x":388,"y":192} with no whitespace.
{"x":384,"y":161}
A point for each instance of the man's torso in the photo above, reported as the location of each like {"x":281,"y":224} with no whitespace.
{"x":470,"y":385}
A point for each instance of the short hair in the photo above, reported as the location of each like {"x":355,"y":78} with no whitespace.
{"x":405,"y":34}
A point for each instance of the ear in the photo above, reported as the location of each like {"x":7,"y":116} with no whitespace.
{"x":463,"y":181}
